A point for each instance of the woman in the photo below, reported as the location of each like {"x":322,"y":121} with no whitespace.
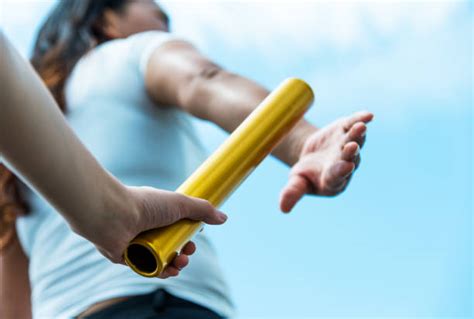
{"x":128,"y":87}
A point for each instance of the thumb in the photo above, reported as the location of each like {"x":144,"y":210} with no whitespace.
{"x":296,"y":187}
{"x":200,"y":209}
{"x":158,"y":208}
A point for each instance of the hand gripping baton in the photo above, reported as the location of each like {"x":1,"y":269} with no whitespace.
{"x":151,"y":251}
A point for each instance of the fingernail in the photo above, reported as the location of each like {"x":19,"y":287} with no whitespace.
{"x":223,"y":217}
{"x":286,"y":209}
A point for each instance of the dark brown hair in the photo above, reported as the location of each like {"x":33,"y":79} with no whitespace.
{"x":70,"y":30}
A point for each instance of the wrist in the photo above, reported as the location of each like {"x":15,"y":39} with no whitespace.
{"x":291,"y":148}
{"x":302,"y":133}
{"x":113,"y":215}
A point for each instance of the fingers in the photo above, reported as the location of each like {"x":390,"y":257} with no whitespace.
{"x":189,"y":248}
{"x":357,"y":133}
{"x":356,"y":127}
{"x":356,"y":139}
{"x":362,"y":116}
{"x":169,"y":271}
{"x":295,"y":189}
{"x":159,"y":208}
{"x":357,"y":161}
{"x":341,"y":172}
{"x":350,"y":151}
{"x":179,"y":262}
{"x":338,"y":173}
{"x":199,"y":209}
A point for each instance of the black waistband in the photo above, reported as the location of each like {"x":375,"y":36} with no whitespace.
{"x":157,"y":304}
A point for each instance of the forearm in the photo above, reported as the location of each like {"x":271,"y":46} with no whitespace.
{"x":37,"y":143}
{"x":226,"y":99}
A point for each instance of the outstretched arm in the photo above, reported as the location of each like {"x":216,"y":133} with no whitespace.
{"x":323,"y":159}
{"x":178,"y":74}
{"x":36,"y":141}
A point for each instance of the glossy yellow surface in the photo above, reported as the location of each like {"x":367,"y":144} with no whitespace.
{"x":150,"y":252}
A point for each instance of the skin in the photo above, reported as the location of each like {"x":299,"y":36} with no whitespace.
{"x":95,"y":204}
{"x":322,"y":160}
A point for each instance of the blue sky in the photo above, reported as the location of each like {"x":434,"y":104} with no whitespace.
{"x":398,"y":242}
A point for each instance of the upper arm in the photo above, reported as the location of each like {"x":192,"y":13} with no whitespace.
{"x":174,"y":74}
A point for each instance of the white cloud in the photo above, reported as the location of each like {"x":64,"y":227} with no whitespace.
{"x":264,"y":25}
{"x":304,"y":24}
{"x":392,"y":57}
{"x":410,"y":49}
{"x":429,"y":75}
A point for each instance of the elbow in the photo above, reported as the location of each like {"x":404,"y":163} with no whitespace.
{"x":197,"y":93}
{"x":209,"y":72}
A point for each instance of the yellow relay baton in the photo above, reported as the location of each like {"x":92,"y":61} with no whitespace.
{"x":151,"y":251}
